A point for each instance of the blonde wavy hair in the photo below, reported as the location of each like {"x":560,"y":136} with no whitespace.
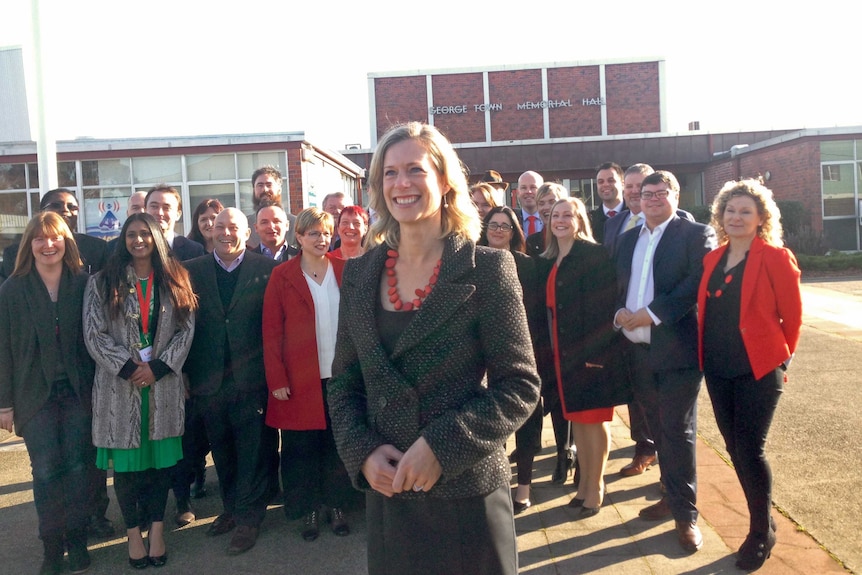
{"x":583,"y":229}
{"x":458,"y":215}
{"x":771,"y":231}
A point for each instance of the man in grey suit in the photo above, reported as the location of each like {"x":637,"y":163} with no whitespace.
{"x":227,"y":378}
{"x":659,"y":266}
{"x":273,"y":229}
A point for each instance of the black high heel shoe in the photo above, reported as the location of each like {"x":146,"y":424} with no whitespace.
{"x":141,"y":563}
{"x":755,"y":550}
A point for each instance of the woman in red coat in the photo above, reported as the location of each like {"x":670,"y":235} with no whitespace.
{"x":300,"y":321}
{"x":750,"y":314}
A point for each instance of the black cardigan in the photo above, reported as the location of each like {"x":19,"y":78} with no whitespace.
{"x":27,"y":343}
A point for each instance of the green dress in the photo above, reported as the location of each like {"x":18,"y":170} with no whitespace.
{"x":152,"y":454}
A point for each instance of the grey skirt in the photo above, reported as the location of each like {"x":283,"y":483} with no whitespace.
{"x":430,"y":536}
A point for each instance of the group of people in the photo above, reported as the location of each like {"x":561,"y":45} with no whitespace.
{"x":638,"y":306}
{"x":400,"y":360}
{"x":141,"y":354}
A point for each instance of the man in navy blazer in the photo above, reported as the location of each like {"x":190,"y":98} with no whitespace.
{"x":659,"y":266}
{"x":609,"y":185}
{"x":163,"y":202}
{"x":227,"y":377}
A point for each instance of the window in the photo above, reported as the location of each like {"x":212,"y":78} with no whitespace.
{"x":831,"y":173}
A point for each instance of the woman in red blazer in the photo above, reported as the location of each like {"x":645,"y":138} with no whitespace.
{"x":750,"y":314}
{"x":300,"y":321}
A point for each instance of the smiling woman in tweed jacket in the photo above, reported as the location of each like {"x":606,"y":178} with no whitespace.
{"x":433,"y":371}
{"x":138,"y":327}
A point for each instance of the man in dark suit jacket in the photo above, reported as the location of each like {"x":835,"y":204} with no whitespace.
{"x":659,"y":266}
{"x":273,"y":228}
{"x":609,"y":185}
{"x":164,"y":203}
{"x":61,"y":201}
{"x":228,"y":380}
{"x":528,"y":213}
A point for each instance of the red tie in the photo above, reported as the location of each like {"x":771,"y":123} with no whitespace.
{"x":612,"y":213}
{"x":531,"y":225}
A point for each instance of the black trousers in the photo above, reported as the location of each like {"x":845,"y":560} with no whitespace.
{"x":59,"y":441}
{"x":744,"y":408}
{"x":142,"y":495}
{"x":528,"y":442}
{"x":669,"y":400}
{"x":196,"y":445}
{"x":244,"y":450}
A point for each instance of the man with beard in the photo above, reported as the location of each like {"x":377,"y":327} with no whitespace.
{"x":266,"y":188}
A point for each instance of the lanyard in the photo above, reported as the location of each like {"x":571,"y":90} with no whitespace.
{"x":144,"y":302}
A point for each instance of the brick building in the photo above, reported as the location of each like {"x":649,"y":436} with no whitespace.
{"x":565,"y":118}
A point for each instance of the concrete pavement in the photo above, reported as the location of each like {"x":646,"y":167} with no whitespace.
{"x":811,"y":448}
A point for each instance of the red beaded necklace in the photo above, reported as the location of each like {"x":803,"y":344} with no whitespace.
{"x":392,"y":282}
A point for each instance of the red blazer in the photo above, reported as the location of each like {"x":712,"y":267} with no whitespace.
{"x":771,"y":308}
{"x":290,"y":348}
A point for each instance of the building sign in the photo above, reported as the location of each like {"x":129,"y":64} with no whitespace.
{"x":541,"y":104}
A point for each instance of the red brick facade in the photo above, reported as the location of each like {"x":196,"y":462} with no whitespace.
{"x":517,"y":104}
{"x":633,"y":98}
{"x":794,"y":174}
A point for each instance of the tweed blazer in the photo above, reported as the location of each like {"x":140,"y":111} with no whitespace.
{"x":462,"y":375}
{"x":27,"y":343}
{"x":112,"y":342}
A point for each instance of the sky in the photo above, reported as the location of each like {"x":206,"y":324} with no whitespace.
{"x":166,"y":68}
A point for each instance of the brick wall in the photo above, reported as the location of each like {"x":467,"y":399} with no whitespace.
{"x":575,"y":84}
{"x":794,"y":170}
{"x":510,"y":88}
{"x":633,"y":98}
{"x":294,"y":179}
{"x":399,"y":100}
{"x":460,"y":90}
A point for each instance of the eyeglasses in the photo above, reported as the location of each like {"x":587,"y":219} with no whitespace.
{"x":494,"y":226}
{"x":659,"y":195}
{"x":60,"y":206}
{"x":315,"y":235}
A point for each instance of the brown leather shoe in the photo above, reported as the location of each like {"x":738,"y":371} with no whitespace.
{"x":639,"y":464}
{"x":222,"y":524}
{"x":243,"y":540}
{"x":656,"y":511}
{"x":689,"y":536}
